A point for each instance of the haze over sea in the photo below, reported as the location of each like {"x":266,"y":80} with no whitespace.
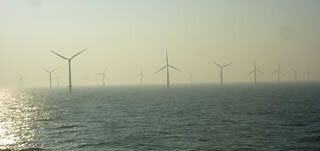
{"x":198,"y":117}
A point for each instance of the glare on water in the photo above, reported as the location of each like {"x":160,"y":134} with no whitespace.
{"x":234,"y":117}
{"x":16,"y":119}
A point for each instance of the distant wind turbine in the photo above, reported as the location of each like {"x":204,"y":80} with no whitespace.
{"x":308,"y":75}
{"x":69,"y":62}
{"x":221,"y":70}
{"x":167,"y":66}
{"x":140,"y":75}
{"x":50,"y":73}
{"x":255,"y":70}
{"x":295,"y":75}
{"x":103,"y":74}
{"x":278,"y":71}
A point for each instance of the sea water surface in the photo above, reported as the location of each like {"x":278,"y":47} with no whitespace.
{"x":198,"y":117}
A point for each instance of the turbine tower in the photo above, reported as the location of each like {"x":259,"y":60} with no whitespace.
{"x":69,"y":63}
{"x":295,"y":75}
{"x":140,"y":75}
{"x":255,"y":70}
{"x":168,"y":66}
{"x":50,"y":73}
{"x":191,"y":78}
{"x":308,"y":75}
{"x":278,"y":71}
{"x":103,"y":74}
{"x":221,"y":70}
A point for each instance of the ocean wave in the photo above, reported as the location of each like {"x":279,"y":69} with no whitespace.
{"x":312,"y":139}
{"x":93,"y":144}
{"x":45,"y":119}
{"x":66,"y":126}
{"x":25,"y":149}
{"x":33,"y":149}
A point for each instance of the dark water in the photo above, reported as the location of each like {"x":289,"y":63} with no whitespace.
{"x":234,"y":117}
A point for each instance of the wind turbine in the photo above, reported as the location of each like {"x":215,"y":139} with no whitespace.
{"x":140,"y":75}
{"x":168,"y":66}
{"x":103,"y":74}
{"x":50,"y":73}
{"x":308,"y":75}
{"x":191,"y":78}
{"x":69,"y":63}
{"x":278,"y":71}
{"x":295,"y":75}
{"x":221,"y":70}
{"x":255,"y":70}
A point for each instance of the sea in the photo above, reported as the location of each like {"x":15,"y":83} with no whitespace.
{"x":234,"y":117}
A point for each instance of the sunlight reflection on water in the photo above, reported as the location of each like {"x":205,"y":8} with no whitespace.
{"x":235,"y":117}
{"x":17,"y":111}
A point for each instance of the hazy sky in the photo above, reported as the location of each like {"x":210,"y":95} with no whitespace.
{"x":130,"y":35}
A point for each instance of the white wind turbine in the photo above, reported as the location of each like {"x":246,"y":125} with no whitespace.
{"x":50,"y":73}
{"x":103,"y":74}
{"x":140,"y":75}
{"x":295,"y":75}
{"x":278,"y":71}
{"x":168,"y":66}
{"x":255,"y":70}
{"x":190,"y":78}
{"x":69,"y":63}
{"x":221,"y":70}
{"x":308,"y":75}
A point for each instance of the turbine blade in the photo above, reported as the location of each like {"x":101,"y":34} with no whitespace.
{"x":252,"y":71}
{"x":216,"y":64}
{"x":161,"y":69}
{"x":45,"y":69}
{"x":60,"y":55}
{"x":259,"y":70}
{"x":226,"y":65}
{"x":54,"y":70}
{"x":174,"y":68}
{"x":78,"y":53}
{"x":167,"y":57}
